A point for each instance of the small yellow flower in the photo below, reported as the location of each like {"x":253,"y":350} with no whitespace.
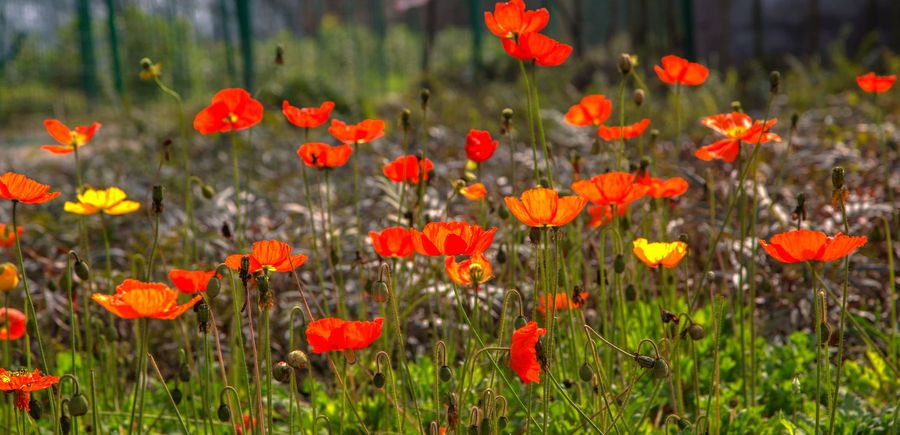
{"x":9,"y":277}
{"x":111,"y":201}
{"x":150,"y":71}
{"x":667,"y":254}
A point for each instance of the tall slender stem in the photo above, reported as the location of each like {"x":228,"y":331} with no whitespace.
{"x":236,"y":175}
{"x":840,"y":356}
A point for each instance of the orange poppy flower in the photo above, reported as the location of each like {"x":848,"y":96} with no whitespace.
{"x":561,"y":302}
{"x":805,"y":245}
{"x":68,"y":139}
{"x":876,"y":84}
{"x":616,"y":188}
{"x":137,"y":299}
{"x":451,"y":238}
{"x":323,"y":156}
{"x":408,"y":169}
{"x":603,"y":214}
{"x":191,"y":281}
{"x":394,"y":242}
{"x":12,"y":324}
{"x":9,"y":277}
{"x":247,"y":423}
{"x":610,"y":134}
{"x":540,"y":49}
{"x":7,"y":237}
{"x":659,"y":188}
{"x":17,"y":187}
{"x":15,"y":320}
{"x":307,"y":117}
{"x":659,"y":253}
{"x":363,"y":132}
{"x":473,"y":270}
{"x":231,"y":109}
{"x":541,"y":207}
{"x":523,"y":354}
{"x":333,"y":334}
{"x":511,"y":19}
{"x":480,"y":146}
{"x":736,"y":127}
{"x":271,"y":255}
{"x":591,"y":110}
{"x":23,"y":382}
{"x":678,"y":71}
{"x":473,"y":192}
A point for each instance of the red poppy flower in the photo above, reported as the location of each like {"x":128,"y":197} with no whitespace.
{"x":678,"y":71}
{"x":333,"y":334}
{"x":541,"y":207}
{"x":191,"y":281}
{"x":7,"y":237}
{"x":473,"y":192}
{"x":137,"y":299}
{"x":610,"y":134}
{"x":268,"y":254}
{"x":408,"y":169}
{"x":395,"y":242}
{"x":23,"y":382}
{"x":307,"y":117}
{"x":561,"y":302}
{"x":363,"y":132}
{"x":323,"y":156}
{"x":805,"y":245}
{"x":523,"y":354}
{"x":736,"y":127}
{"x":69,"y":139}
{"x":231,"y":109}
{"x":473,"y":270}
{"x":540,"y":49}
{"x":659,"y":188}
{"x":12,"y":324}
{"x":603,"y":214}
{"x":616,"y":188}
{"x":591,"y":110}
{"x":451,"y":238}
{"x":480,"y":146}
{"x":510,"y":19}
{"x":876,"y":84}
{"x":17,"y":187}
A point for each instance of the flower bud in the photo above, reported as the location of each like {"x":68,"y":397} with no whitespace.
{"x":837,"y":177}
{"x":586,"y":373}
{"x":378,"y":380}
{"x":795,"y":117}
{"x":380,"y":292}
{"x":208,"y":191}
{"x":213,"y":286}
{"x":223,"y":413}
{"x":184,"y":373}
{"x":736,"y":106}
{"x":696,"y":331}
{"x":660,"y":369}
{"x":638,"y":97}
{"x":9,"y":277}
{"x":177,"y":395}
{"x":65,"y":424}
{"x":404,"y":119}
{"x":503,"y":212}
{"x":645,"y":361}
{"x":520,"y":322}
{"x":445,"y":374}
{"x":225,"y":230}
{"x":157,"y":200}
{"x":279,"y":54}
{"x":501,"y":255}
{"x":297,"y":359}
{"x":282,"y":372}
{"x":424,"y":96}
{"x":619,"y":263}
{"x":774,"y":81}
{"x":202,"y":310}
{"x":82,"y":270}
{"x":35,"y":409}
{"x":625,"y":63}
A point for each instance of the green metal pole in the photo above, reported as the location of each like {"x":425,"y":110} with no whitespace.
{"x":88,"y":58}
{"x":476,"y":23}
{"x":229,"y":48}
{"x":113,"y":35}
{"x":687,"y":16}
{"x":246,"y":35}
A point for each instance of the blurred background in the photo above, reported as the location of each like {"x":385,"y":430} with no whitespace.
{"x":68,"y":57}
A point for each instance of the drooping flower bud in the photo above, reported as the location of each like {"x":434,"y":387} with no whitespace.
{"x":223,"y":413}
{"x":638,"y":97}
{"x":177,"y":395}
{"x":619,"y":263}
{"x":586,"y":373}
{"x":213,"y":286}
{"x":378,"y":380}
{"x":297,"y":359}
{"x":282,"y":372}
{"x":445,"y":374}
{"x":774,"y":82}
{"x":82,"y":270}
{"x":660,"y":369}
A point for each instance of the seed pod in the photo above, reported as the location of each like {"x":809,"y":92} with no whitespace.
{"x":378,"y":380}
{"x":696,"y":331}
{"x":380,"y":292}
{"x":177,"y":395}
{"x":424,"y":96}
{"x":619,"y":263}
{"x":520,"y":322}
{"x":503,"y":212}
{"x":507,"y":115}
{"x":445,"y":374}
{"x":35,"y":409}
{"x":78,"y":405}
{"x":645,"y":361}
{"x":262,"y":283}
{"x":213,"y":286}
{"x":223,"y":413}
{"x":837,"y":177}
{"x":405,"y":114}
{"x":65,"y":425}
{"x":502,"y":422}
{"x":586,"y":373}
{"x":660,"y":369}
{"x":184,"y":373}
{"x":282,"y":372}
{"x":297,"y":359}
{"x":82,"y":270}
{"x":501,"y":256}
{"x":208,"y":191}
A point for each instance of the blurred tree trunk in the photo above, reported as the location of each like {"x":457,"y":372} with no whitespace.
{"x":380,"y":26}
{"x":687,"y":19}
{"x":113,"y":35}
{"x":476,"y":23}
{"x":225,"y":22}
{"x":758,"y":29}
{"x":430,"y":11}
{"x":725,"y":40}
{"x":88,"y":57}
{"x":246,"y":35}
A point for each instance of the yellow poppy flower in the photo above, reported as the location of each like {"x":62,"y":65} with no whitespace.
{"x":111,"y":201}
{"x":9,"y":277}
{"x":667,"y":254}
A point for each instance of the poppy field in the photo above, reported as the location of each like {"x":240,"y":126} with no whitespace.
{"x":649,"y":256}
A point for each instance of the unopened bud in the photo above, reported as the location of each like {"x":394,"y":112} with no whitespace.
{"x":157,"y":200}
{"x":82,"y":270}
{"x":774,"y":81}
{"x":177,"y":395}
{"x":281,"y":372}
{"x":445,"y":374}
{"x":837,"y":177}
{"x":213,"y":286}
{"x":520,"y":322}
{"x":78,"y":405}
{"x":586,"y":373}
{"x":625,"y":63}
{"x":638,"y":97}
{"x":279,"y":54}
{"x":223,"y":413}
{"x":619,"y":263}
{"x":297,"y":359}
{"x":404,"y":119}
{"x":380,"y":292}
{"x":208,"y":191}
{"x":378,"y":380}
{"x":35,"y":409}
{"x":696,"y":331}
{"x":736,"y":106}
{"x":424,"y":96}
{"x":660,"y":369}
